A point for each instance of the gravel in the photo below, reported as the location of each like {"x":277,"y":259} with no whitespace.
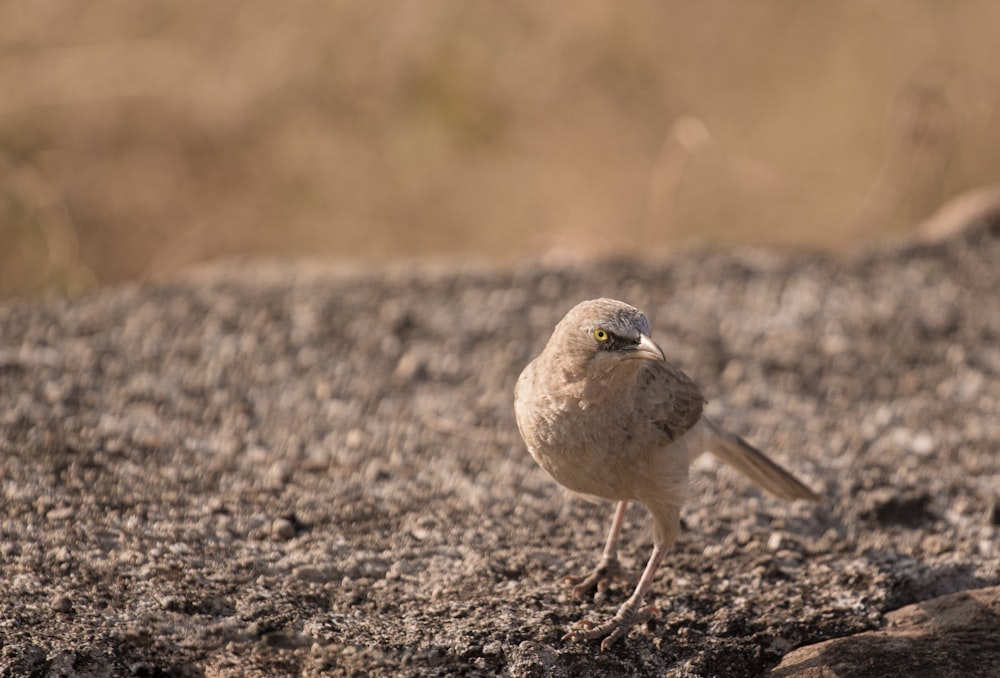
{"x":294,"y":468}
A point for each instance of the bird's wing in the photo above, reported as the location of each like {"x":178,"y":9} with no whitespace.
{"x":670,"y":400}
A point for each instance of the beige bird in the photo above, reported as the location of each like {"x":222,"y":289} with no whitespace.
{"x":607,"y":416}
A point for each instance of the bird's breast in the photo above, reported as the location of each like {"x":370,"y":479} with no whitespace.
{"x":588,"y":447}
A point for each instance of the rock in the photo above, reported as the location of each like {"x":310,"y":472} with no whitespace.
{"x":953,"y":636}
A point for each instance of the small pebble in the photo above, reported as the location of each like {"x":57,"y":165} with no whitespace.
{"x":62,"y":603}
{"x":922,"y":444}
{"x":63,"y":513}
{"x":355,"y":438}
{"x":277,"y":475}
{"x":492,"y":647}
{"x":412,"y":366}
{"x":282,"y":529}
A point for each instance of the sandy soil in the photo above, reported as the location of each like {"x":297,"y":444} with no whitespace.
{"x":284,"y":468}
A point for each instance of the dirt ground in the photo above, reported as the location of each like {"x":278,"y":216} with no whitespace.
{"x":292,"y":468}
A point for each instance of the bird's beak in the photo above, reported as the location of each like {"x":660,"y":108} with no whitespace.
{"x":647,"y":349}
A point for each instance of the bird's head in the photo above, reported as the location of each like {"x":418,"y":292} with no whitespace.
{"x":602,"y":334}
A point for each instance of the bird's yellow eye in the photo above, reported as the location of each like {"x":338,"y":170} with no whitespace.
{"x":600,"y":335}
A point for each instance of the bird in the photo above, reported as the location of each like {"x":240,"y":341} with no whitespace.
{"x":605,"y":413}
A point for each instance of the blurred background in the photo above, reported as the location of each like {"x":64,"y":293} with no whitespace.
{"x":139,"y":138}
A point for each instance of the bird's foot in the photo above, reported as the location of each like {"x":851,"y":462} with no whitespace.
{"x":607,"y":571}
{"x":613,"y":629}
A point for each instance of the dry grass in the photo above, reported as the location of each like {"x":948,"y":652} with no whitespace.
{"x":136,"y":138}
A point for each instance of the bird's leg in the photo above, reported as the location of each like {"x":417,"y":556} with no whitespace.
{"x":609,"y":568}
{"x":628,"y":615}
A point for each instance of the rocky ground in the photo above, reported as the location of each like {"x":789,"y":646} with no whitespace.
{"x":289,"y":469}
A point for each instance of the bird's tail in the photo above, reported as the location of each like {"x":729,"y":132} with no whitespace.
{"x":755,"y":465}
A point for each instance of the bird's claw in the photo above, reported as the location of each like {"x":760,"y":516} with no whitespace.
{"x":613,"y":629}
{"x":606,"y":572}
